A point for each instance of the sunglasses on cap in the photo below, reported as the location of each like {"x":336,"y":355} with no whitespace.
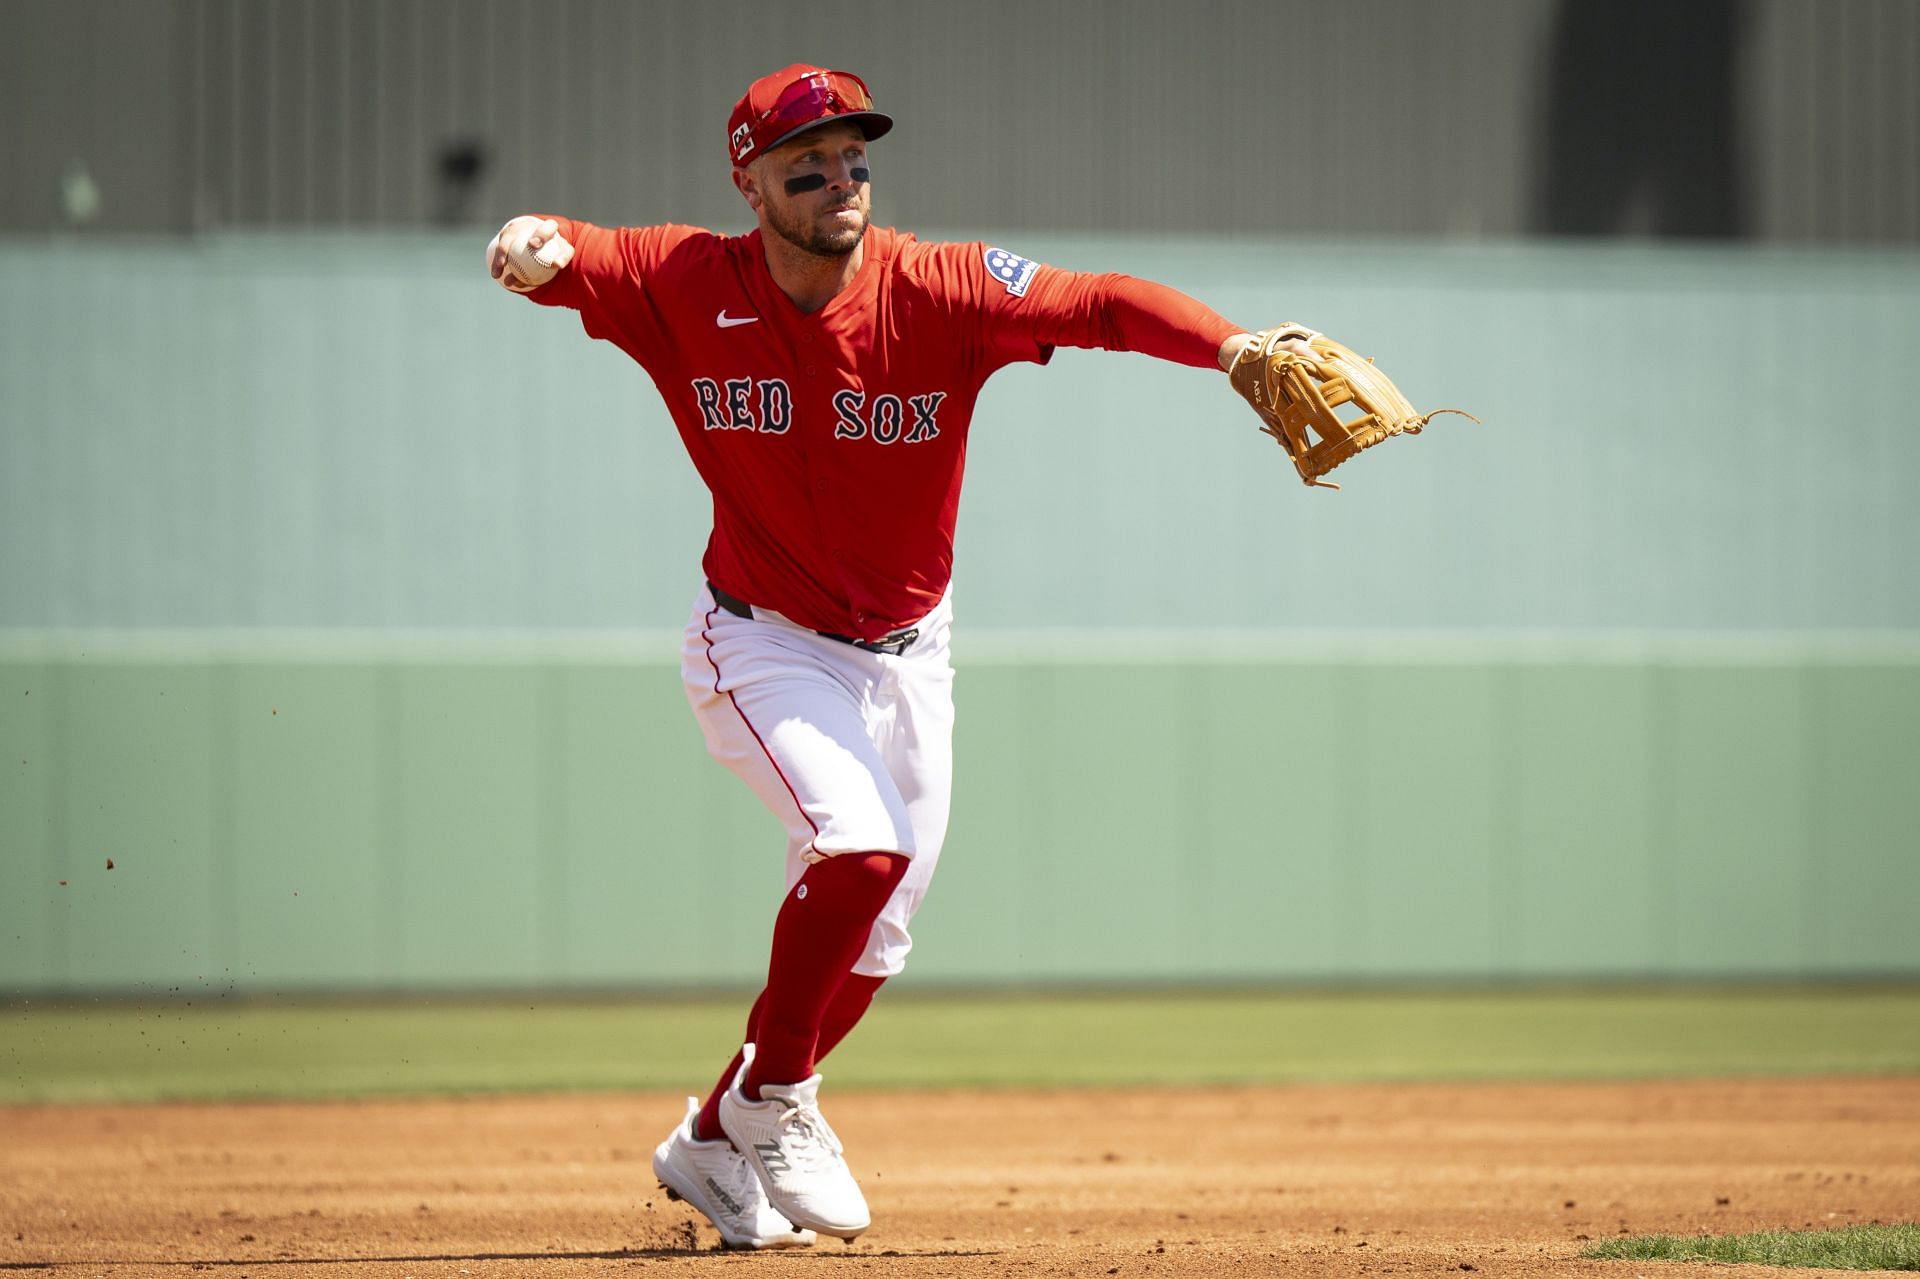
{"x":813,"y":97}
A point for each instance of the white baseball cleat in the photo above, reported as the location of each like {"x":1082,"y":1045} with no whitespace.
{"x":787,"y":1142}
{"x":712,"y":1176}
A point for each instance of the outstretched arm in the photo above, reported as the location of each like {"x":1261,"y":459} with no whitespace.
{"x":1124,"y":313}
{"x":598,"y":271}
{"x":527,"y":252}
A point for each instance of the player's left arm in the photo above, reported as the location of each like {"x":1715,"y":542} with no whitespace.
{"x":1124,"y":313}
{"x":1116,"y":312}
{"x":1037,"y":308}
{"x":1019,"y":309}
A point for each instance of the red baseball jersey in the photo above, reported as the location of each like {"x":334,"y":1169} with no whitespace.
{"x":834,"y":442}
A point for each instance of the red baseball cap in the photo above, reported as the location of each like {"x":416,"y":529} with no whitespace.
{"x":795,"y":99}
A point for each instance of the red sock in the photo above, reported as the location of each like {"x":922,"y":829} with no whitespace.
{"x":844,"y":1013}
{"x":707,"y":1125}
{"x":849,"y":1004}
{"x":818,"y":934}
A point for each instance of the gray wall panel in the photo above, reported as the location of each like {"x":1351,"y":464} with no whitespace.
{"x":1394,"y":117}
{"x":1835,"y":94}
{"x":101,"y":82}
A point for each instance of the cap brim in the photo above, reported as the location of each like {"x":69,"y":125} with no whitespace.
{"x":874,"y":124}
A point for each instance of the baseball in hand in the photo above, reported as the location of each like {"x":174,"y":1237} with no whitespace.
{"x":527,"y":253}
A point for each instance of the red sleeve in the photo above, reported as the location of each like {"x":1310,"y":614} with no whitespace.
{"x":608,"y":275}
{"x":1020,"y":309}
{"x":1122,"y":313}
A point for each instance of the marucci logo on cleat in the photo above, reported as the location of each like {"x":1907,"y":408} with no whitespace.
{"x":732,"y":1205}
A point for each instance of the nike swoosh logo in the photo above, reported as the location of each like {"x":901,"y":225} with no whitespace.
{"x":727,"y":322}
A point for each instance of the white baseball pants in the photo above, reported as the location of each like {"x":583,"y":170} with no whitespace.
{"x":852,"y":750}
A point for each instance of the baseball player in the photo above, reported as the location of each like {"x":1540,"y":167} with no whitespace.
{"x":822,"y":374}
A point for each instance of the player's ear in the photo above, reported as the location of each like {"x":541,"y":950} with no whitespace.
{"x":749,"y":188}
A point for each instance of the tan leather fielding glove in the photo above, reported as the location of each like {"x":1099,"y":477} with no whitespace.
{"x":1297,"y":398}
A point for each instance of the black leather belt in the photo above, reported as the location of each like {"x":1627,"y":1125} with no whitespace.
{"x":892,"y":645}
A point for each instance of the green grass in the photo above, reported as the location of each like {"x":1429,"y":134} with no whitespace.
{"x":1875,"y":1247}
{"x":216,"y":1049}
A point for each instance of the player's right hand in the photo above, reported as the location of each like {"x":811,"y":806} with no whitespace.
{"x":527,"y":252}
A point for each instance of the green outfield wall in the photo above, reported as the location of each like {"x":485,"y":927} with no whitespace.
{"x":426,"y":820}
{"x":338,"y":599}
{"x":365,"y":431}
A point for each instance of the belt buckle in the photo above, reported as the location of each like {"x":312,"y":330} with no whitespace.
{"x":893,"y":645}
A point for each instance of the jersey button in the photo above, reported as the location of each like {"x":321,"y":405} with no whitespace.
{"x":810,"y":370}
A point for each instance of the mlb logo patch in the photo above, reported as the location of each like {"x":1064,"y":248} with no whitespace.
{"x":1011,"y":270}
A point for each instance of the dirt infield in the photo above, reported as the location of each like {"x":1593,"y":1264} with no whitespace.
{"x":1304,"y":1180}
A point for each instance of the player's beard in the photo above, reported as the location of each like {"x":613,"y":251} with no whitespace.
{"x":807,"y":233}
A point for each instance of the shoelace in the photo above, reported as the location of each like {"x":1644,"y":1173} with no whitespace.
{"x":811,"y":1138}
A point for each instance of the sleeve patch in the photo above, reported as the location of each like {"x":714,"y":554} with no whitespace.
{"x":1013,"y":271}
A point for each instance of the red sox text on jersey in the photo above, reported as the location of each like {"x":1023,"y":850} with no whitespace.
{"x":766,"y":404}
